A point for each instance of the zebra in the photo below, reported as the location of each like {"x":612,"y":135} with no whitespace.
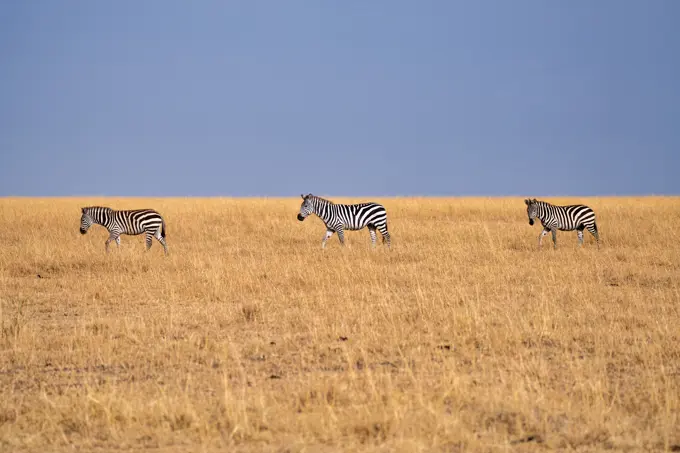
{"x":566,"y":218}
{"x":341,"y":217}
{"x":130,"y":222}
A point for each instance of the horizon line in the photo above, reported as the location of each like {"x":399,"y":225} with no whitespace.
{"x":345,"y":196}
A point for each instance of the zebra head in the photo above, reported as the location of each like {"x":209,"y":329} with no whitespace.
{"x":86,"y":221}
{"x":532,"y":209}
{"x":306,"y":208}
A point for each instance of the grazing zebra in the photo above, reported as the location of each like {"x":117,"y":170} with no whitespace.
{"x":341,"y":217}
{"x":131,"y":222}
{"x":566,"y":218}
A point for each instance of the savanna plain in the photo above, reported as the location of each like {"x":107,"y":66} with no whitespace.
{"x":465,"y":336}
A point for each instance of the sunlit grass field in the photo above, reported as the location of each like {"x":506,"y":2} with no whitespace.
{"x":248,"y":337}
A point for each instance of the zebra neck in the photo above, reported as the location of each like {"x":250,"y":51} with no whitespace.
{"x":102,"y":217}
{"x":324,"y":210}
{"x":543,"y":213}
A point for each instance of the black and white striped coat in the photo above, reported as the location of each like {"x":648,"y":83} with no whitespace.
{"x":566,"y":218}
{"x":341,"y":217}
{"x":131,"y":222}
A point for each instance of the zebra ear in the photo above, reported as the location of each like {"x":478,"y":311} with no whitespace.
{"x":534,"y":200}
{"x":302,"y":196}
{"x":526,"y":201}
{"x":82,"y":210}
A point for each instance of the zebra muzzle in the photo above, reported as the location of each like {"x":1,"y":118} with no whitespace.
{"x":83,"y":231}
{"x":531,"y":221}
{"x":300,"y":218}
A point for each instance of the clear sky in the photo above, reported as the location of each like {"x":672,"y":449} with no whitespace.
{"x":359,"y":98}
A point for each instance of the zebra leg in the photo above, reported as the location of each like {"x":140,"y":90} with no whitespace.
{"x":149,"y":237}
{"x":112,"y":237}
{"x":540,"y":236}
{"x":161,"y":239}
{"x":593,"y":231}
{"x":579,"y":233}
{"x":326,"y":235}
{"x":554,"y":235}
{"x":385,"y":235}
{"x":341,"y":236}
{"x":371,"y":231}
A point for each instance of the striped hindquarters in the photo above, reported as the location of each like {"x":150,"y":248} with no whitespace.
{"x":139,"y":221}
{"x":358,"y":216}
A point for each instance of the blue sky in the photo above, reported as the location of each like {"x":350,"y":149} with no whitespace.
{"x":267,"y":98}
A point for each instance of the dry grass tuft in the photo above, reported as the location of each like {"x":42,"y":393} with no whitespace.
{"x":247,"y":337}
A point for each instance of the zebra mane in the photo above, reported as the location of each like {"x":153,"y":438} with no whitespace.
{"x":99,"y":208}
{"x":316,"y":198}
{"x":96,"y":212}
{"x":542,"y":205}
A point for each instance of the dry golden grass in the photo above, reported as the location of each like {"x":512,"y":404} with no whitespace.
{"x":249,"y":337}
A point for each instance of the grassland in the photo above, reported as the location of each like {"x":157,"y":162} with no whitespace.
{"x":248,"y":337}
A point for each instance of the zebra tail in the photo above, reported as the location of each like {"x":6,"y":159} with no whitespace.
{"x":163,"y":228}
